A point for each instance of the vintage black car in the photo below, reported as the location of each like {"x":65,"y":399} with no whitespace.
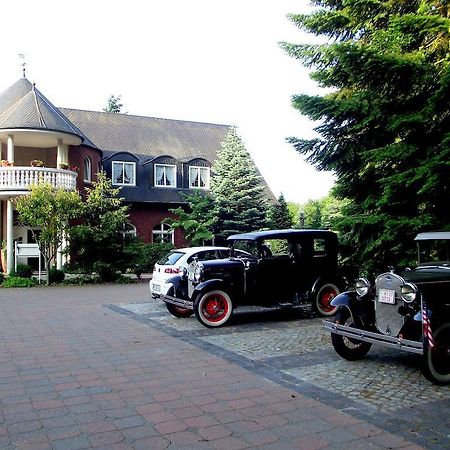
{"x":409,"y":311}
{"x":282,"y":268}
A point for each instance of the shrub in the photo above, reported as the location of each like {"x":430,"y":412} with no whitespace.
{"x":2,"y":278}
{"x":106,"y":272}
{"x":56,"y":276}
{"x":142,"y":257}
{"x":22,"y":271}
{"x":12,"y":282}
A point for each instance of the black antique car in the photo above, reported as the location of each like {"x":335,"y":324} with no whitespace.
{"x":409,"y":311}
{"x":281,"y":268}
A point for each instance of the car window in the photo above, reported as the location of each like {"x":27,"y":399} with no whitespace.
{"x":246,"y":246}
{"x":170,"y":259}
{"x":319,"y":247}
{"x":203,"y":256}
{"x":275,"y":247}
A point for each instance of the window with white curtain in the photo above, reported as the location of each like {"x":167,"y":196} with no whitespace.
{"x":165,"y":175}
{"x":124,"y":173}
{"x":199,"y":177}
{"x":162,"y":233}
{"x":87,"y":169}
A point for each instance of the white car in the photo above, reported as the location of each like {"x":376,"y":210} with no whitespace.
{"x":178,"y":259}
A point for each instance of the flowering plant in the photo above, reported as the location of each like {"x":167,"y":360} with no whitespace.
{"x":6,"y":163}
{"x":75,"y":169}
{"x":37,"y":163}
{"x":64,"y":166}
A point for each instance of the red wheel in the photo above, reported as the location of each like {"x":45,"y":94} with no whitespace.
{"x":323,"y":299}
{"x":179,"y":311}
{"x":213,"y":308}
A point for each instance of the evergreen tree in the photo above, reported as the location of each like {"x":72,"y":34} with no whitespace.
{"x":279,"y":215}
{"x":197,"y":221}
{"x":385,"y":127}
{"x":237,"y":189}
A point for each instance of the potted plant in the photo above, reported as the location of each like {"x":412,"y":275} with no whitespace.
{"x":64,"y":166}
{"x":6,"y":163}
{"x":37,"y":163}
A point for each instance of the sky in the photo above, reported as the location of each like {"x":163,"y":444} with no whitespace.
{"x":215,"y":61}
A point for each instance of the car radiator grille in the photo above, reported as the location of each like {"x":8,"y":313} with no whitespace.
{"x":387,"y":319}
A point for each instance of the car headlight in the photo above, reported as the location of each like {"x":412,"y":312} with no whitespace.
{"x":198,"y":272}
{"x":409,"y":292}
{"x":183,"y":272}
{"x":362,"y":286}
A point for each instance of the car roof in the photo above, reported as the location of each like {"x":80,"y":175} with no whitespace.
{"x":253,"y":236}
{"x":189,"y":250}
{"x":433,"y":235}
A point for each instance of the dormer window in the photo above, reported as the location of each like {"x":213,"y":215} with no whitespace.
{"x":199,"y":177}
{"x":165,"y":175}
{"x":124,"y":173}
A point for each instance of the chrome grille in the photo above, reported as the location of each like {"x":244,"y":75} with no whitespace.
{"x":387,"y":319}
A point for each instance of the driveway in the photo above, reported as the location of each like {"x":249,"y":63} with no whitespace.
{"x":102,"y":367}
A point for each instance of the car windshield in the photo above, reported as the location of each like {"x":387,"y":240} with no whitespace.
{"x":246,"y":246}
{"x":170,"y":259}
{"x":434,"y":251}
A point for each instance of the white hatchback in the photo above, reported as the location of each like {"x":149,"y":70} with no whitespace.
{"x":178,"y":259}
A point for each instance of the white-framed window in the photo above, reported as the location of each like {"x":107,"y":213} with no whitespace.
{"x":87,"y":169}
{"x":124,"y":173}
{"x":199,"y":177}
{"x":165,"y":175}
{"x":162,"y":233}
{"x":129,"y":230}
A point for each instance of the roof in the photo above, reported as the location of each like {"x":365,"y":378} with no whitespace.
{"x":150,"y":136}
{"x":23,"y":106}
{"x":280,"y":234}
{"x":433,"y":235}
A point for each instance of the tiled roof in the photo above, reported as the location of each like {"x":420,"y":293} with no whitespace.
{"x":23,"y":106}
{"x":150,"y":136}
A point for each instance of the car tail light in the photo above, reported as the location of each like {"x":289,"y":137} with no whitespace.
{"x":170,"y":270}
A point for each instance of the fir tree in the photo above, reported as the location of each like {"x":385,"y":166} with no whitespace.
{"x":237,"y":189}
{"x":279,"y":215}
{"x":385,"y":127}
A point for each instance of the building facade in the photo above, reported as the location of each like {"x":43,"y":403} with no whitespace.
{"x":154,"y":161}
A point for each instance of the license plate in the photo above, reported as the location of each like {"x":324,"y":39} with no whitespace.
{"x":386,"y":296}
{"x":156,"y":288}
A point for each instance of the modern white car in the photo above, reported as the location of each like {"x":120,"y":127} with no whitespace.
{"x":178,"y":259}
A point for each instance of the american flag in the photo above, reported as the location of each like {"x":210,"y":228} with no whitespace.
{"x":427,"y":333}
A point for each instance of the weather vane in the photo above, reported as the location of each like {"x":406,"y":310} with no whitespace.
{"x":23,"y":64}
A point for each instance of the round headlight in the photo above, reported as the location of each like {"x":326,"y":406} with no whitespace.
{"x":362,"y":286}
{"x":198,"y":272}
{"x":409,"y":292}
{"x":183,"y":271}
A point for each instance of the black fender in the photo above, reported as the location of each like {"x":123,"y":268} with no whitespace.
{"x":209,"y":285}
{"x":360,"y":308}
{"x":179,"y":284}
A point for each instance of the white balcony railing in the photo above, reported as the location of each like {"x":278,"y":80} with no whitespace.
{"x":17,"y":180}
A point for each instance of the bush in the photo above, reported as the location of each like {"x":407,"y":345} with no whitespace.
{"x":106,"y":272}
{"x":22,"y":271}
{"x":142,"y":257}
{"x":2,"y":278}
{"x":13,"y":281}
{"x":56,"y":276}
{"x":80,"y":280}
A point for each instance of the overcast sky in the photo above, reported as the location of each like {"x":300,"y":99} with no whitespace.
{"x":202,"y":60}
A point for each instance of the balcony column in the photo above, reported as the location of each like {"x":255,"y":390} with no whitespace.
{"x":10,"y":153}
{"x":63,"y":153}
{"x":9,"y":237}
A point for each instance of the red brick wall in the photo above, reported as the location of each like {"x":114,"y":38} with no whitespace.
{"x":144,"y":216}
{"x":76,"y":158}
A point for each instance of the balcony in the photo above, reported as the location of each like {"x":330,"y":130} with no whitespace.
{"x":15,"y":180}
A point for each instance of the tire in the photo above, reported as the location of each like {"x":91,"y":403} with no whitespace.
{"x":348,"y":348}
{"x":213,"y":308}
{"x":322,"y":300}
{"x":436,"y":360}
{"x":178,"y":311}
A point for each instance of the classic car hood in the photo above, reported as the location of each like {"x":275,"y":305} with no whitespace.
{"x":218,"y":263}
{"x":426,"y":274}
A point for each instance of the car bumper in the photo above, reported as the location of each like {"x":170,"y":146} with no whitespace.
{"x":157,"y":288}
{"x":374,"y":338}
{"x":177,"y":301}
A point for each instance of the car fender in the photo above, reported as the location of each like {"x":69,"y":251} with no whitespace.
{"x":208,"y":285}
{"x":358,"y":308}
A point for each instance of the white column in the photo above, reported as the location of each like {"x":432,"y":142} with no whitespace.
{"x":9,"y":237}
{"x":63,"y":153}
{"x":10,"y":154}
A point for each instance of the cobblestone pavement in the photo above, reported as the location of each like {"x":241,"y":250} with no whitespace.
{"x":290,"y":347}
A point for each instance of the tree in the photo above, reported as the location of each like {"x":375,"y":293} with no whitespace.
{"x":323,"y":213}
{"x":98,"y":241}
{"x":197,"y":220}
{"x":279,"y":215}
{"x":384,"y":125}
{"x":47,"y":211}
{"x":237,"y":189}
{"x":114,"y":104}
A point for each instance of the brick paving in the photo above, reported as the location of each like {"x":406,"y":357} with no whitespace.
{"x":76,"y":372}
